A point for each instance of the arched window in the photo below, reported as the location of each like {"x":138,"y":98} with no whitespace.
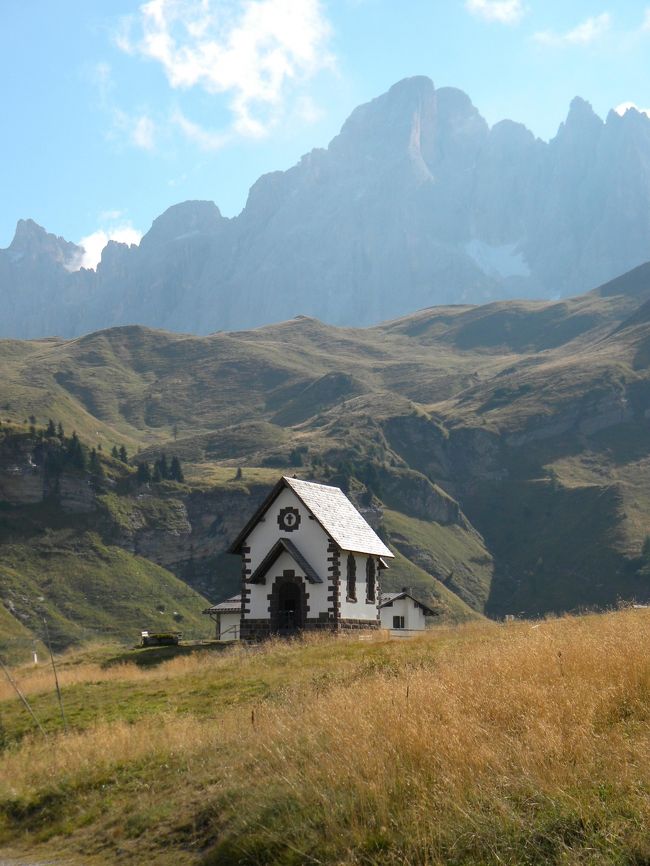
{"x":370,"y":579}
{"x":352,"y":578}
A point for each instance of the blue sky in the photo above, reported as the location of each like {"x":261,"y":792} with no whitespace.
{"x":114,"y":109}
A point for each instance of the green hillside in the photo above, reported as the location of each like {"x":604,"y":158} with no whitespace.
{"x":502,"y":450}
{"x":88,"y":591}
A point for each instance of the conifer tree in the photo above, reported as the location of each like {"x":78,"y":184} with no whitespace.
{"x":59,"y":431}
{"x":176,"y":471}
{"x":95,"y":464}
{"x":115,"y":453}
{"x":143,"y":473}
{"x":124,"y":457}
{"x":50,"y":431}
{"x":157,"y":474}
{"x":645,"y":550}
{"x":75,"y":452}
{"x":164,"y":467}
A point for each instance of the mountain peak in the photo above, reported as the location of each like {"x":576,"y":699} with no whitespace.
{"x":386,"y":128}
{"x":581,"y":118}
{"x":182,"y":220}
{"x":27,"y":233}
{"x":409,"y":88}
{"x":31,"y":240}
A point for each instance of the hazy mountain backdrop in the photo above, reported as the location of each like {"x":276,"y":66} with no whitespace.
{"x":416,"y":202}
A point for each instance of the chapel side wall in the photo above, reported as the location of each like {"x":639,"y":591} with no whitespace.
{"x":415,"y":617}
{"x":398,"y":608}
{"x":359,"y":609}
{"x":229,"y":626}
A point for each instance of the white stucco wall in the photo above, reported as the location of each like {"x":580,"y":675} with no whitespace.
{"x":316,"y":592}
{"x":226,"y":621}
{"x":309,"y":538}
{"x":358,"y":609}
{"x":414,"y":619}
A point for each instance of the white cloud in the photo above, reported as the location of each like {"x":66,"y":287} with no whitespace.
{"x":205,"y":139}
{"x":102,"y":76}
{"x":585,"y":33}
{"x":143,"y":131}
{"x":504,"y":11}
{"x":110,"y":215}
{"x":138,"y":130}
{"x":308,"y":111}
{"x":626,"y":106}
{"x":255,"y":51}
{"x":645,"y":26}
{"x":94,"y":243}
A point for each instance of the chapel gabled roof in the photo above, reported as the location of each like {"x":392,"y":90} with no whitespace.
{"x":230,"y":605}
{"x":388,"y":598}
{"x":332,"y":509}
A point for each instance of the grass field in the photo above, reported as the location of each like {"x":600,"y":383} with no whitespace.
{"x":523,"y":743}
{"x":88,"y":590}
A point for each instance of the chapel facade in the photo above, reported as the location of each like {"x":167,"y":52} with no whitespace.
{"x":309,"y":561}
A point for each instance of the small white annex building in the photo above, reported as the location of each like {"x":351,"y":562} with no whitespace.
{"x":403,"y":614}
{"x":309,"y":561}
{"x":227,"y":618}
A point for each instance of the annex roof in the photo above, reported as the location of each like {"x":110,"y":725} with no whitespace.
{"x":388,"y":598}
{"x":278,"y":548}
{"x":332,"y":509}
{"x":230,"y":605}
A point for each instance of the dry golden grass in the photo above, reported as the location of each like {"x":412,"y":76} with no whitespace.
{"x":518,"y":744}
{"x":37,"y":679}
{"x":33,"y":681}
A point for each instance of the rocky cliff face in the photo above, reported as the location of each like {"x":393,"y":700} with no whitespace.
{"x":416,"y":202}
{"x":185,"y":530}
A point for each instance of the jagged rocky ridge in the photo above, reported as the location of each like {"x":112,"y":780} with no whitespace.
{"x":416,"y":202}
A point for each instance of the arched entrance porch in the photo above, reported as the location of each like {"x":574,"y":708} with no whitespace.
{"x":288,"y":603}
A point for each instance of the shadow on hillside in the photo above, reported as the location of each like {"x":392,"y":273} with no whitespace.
{"x":152,"y":656}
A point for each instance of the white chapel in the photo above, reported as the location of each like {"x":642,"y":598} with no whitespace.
{"x":309,"y":561}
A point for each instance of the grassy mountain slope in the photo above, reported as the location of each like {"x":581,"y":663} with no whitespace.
{"x":65,"y":556}
{"x":90,"y":591}
{"x":505,"y":445}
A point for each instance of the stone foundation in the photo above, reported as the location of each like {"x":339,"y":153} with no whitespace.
{"x":356,"y":624}
{"x":260,"y":629}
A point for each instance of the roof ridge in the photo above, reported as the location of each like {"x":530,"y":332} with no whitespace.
{"x":332,"y":509}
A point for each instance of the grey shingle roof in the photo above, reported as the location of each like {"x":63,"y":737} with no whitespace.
{"x":388,"y":598}
{"x":230,"y":605}
{"x":338,"y":517}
